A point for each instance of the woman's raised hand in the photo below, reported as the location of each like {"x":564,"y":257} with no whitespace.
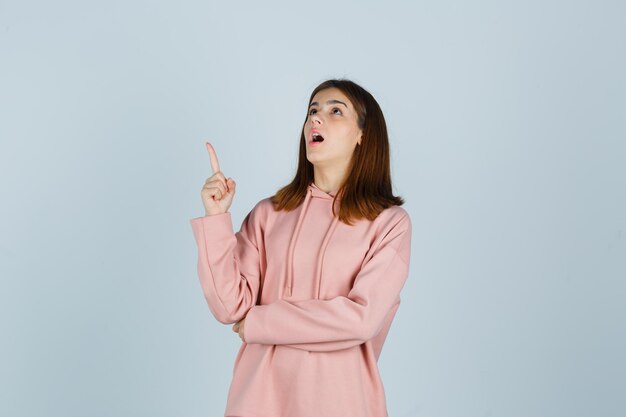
{"x":218,"y":192}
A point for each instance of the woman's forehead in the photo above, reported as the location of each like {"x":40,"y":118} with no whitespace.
{"x":330,"y":96}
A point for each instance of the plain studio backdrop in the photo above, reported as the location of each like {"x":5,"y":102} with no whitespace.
{"x":506,"y":124}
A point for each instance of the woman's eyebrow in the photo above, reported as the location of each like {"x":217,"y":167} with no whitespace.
{"x":315,"y":103}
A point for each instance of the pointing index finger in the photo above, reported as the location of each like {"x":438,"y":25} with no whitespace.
{"x":215,"y":165}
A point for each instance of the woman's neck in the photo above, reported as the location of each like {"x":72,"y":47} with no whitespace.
{"x":328,"y":181}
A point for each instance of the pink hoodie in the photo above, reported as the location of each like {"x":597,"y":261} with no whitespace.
{"x":319,"y":297}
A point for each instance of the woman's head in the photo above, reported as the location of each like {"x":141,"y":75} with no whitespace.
{"x":355,"y":138}
{"x":339,"y":124}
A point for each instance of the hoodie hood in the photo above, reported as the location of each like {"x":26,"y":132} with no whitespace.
{"x":312,"y":192}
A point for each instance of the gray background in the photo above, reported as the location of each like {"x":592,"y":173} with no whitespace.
{"x":506,"y":122}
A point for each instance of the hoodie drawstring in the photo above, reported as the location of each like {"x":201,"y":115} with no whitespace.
{"x":292,"y":243}
{"x":318,"y":278}
{"x":305,"y":205}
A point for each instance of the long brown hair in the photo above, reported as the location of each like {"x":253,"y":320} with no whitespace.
{"x":366,"y":190}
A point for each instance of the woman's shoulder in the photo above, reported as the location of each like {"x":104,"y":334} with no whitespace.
{"x":263,"y":210}
{"x":265,"y":205}
{"x":393,"y":215}
{"x":389,"y":221}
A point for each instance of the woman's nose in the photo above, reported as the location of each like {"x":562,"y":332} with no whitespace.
{"x":315,"y":119}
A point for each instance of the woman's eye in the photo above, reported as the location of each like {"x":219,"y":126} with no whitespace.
{"x":334,"y":108}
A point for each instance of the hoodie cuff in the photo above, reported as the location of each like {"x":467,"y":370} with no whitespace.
{"x":251,"y":331}
{"x":213,"y":228}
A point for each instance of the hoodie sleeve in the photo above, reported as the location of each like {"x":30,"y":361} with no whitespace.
{"x":343,"y":321}
{"x":229,"y":264}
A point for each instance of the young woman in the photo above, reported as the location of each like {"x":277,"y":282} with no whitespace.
{"x":312,"y":279}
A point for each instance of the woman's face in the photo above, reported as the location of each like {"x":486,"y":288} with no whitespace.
{"x":332,"y":116}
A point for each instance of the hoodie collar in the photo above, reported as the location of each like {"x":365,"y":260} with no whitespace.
{"x":318,"y":192}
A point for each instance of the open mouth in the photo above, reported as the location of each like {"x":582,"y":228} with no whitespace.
{"x":317,"y":138}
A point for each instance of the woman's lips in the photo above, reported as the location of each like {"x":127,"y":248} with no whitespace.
{"x":314,"y":132}
{"x":312,"y":141}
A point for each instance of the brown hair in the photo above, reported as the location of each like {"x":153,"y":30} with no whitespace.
{"x":366,"y":190}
